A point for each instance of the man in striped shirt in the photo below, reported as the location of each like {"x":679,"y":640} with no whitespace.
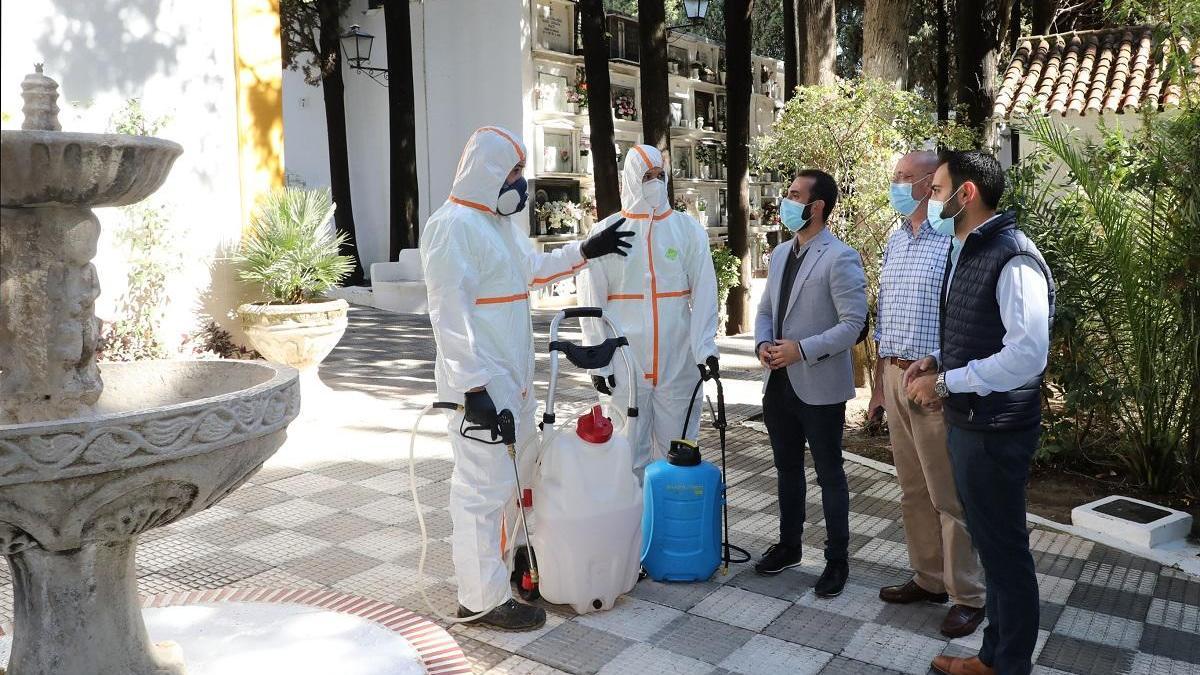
{"x":945,"y":566}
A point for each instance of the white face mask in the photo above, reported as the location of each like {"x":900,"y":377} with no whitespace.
{"x":654,"y":192}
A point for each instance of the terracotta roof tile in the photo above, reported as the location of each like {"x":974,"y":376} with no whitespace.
{"x":1111,"y":70}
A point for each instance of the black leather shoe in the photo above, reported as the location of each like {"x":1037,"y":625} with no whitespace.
{"x":832,"y":580}
{"x":511,"y":616}
{"x":961,"y":621}
{"x":778,"y":558}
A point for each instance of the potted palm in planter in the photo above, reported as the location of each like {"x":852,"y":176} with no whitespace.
{"x":291,"y":252}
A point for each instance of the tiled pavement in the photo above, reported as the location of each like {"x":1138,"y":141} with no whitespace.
{"x":330,"y":518}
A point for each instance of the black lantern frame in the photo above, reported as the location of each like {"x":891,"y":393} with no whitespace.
{"x":356,"y":49}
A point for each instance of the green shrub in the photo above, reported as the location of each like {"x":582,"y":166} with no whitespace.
{"x":290,"y":250}
{"x":1118,"y":219}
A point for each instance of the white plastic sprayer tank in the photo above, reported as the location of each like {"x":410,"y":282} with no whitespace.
{"x":587,"y":506}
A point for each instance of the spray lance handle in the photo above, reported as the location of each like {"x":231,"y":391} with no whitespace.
{"x":506,"y":429}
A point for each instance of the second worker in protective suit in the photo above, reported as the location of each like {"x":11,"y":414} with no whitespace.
{"x":479,"y":268}
{"x":664,"y":299}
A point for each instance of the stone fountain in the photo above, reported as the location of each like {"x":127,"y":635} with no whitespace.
{"x":88,"y":463}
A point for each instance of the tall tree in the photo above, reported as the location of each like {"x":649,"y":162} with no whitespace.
{"x":885,"y":41}
{"x":981,"y":26}
{"x":600,"y":120}
{"x":656,"y":102}
{"x":311,"y":29}
{"x":943,"y":62}
{"x":737,"y":59}
{"x":402,"y":129}
{"x":1041,"y":16}
{"x":793,"y":36}
{"x":821,"y":20}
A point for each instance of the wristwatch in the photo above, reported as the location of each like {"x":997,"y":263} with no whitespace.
{"x":939,"y":386}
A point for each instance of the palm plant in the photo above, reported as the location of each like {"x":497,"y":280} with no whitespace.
{"x":1121,"y":223}
{"x":290,"y":250}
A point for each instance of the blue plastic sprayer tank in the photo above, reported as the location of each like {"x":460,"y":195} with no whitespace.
{"x":681,"y":523}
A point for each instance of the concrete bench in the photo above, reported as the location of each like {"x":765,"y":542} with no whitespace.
{"x":400,"y":286}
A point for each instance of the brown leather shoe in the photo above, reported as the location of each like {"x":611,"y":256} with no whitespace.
{"x":909,"y":592}
{"x":952,"y":665}
{"x":961,"y":621}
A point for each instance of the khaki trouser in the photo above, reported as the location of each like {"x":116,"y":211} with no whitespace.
{"x":939,"y":548}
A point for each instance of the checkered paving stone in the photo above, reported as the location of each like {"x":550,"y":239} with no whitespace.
{"x":764,"y":655}
{"x":392,"y":482}
{"x":576,"y":648}
{"x":1176,"y":615}
{"x":1125,"y":604}
{"x":922,"y":618}
{"x":788,"y":585}
{"x":519,"y":665}
{"x":292,"y":513}
{"x":333,"y":523}
{"x":482,"y":657}
{"x":281,"y":546}
{"x":815,"y":628}
{"x":739,"y":607}
{"x":352,"y":471}
{"x":1085,"y":658}
{"x":893,"y":648}
{"x":633,"y":619}
{"x":1101,"y":628}
{"x":1173,"y":644}
{"x":701,"y":639}
{"x":680,"y":596}
{"x":644,"y":658}
{"x":1054,"y":589}
{"x":844,"y":666}
{"x":1149,"y":664}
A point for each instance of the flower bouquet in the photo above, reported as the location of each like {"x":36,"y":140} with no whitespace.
{"x":561,"y":217}
{"x":578,"y":93}
{"x":624,"y":107}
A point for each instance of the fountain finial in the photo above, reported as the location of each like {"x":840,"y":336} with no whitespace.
{"x":41,"y":101}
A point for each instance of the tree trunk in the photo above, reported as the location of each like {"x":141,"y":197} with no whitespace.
{"x":791,"y":50}
{"x":1041,"y":15}
{"x":980,"y":27}
{"x":333,"y":90}
{"x":943,"y":62}
{"x":656,"y":102}
{"x":821,"y":20}
{"x":737,"y":59}
{"x":600,"y":120}
{"x":402,"y":130}
{"x":885,"y":41}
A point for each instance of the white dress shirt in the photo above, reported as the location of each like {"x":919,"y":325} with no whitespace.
{"x":1023,"y":295}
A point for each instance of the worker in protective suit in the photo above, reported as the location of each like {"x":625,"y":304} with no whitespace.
{"x":664,"y":299}
{"x":479,"y":268}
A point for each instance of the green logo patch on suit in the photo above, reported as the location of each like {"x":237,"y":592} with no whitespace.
{"x":672,"y":254}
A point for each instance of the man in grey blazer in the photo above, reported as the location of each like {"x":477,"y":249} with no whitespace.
{"x":812,"y":313}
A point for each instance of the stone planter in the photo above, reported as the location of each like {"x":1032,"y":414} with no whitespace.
{"x":300,"y":336}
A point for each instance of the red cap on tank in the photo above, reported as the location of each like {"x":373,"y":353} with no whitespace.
{"x":594,"y":427}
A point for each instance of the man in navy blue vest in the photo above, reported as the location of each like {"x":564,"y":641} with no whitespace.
{"x":997,"y":305}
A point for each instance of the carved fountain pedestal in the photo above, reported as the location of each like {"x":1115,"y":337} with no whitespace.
{"x":88,"y":464}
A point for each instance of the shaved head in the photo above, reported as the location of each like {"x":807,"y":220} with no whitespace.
{"x":923,"y":161}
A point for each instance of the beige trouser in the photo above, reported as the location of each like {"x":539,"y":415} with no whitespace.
{"x":939,"y":548}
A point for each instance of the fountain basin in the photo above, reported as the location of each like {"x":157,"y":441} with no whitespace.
{"x":58,"y":168}
{"x":169,"y":439}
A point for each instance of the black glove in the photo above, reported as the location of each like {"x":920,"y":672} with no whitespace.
{"x":480,"y":410}
{"x":602,"y":385}
{"x":608,"y":241}
{"x":714,"y":368}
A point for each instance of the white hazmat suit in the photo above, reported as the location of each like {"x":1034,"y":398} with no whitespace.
{"x":479,"y":267}
{"x":664,"y":299}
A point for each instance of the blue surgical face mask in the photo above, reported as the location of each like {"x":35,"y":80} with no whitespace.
{"x":512,"y":197}
{"x":942,"y":224}
{"x":902,"y":199}
{"x":794,"y":215}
